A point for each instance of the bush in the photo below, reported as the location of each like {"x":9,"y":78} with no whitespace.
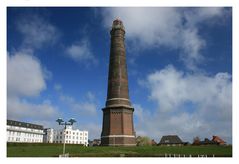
{"x":143,"y":141}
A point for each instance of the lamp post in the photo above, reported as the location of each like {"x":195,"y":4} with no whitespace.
{"x":62,"y":122}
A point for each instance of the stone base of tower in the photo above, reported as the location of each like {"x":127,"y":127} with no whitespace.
{"x":118,"y":141}
{"x":118,"y":128}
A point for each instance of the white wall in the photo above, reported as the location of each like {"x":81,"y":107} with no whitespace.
{"x":21,"y":134}
{"x":71,"y":136}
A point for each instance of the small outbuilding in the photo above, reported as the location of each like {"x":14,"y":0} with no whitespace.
{"x":207,"y":142}
{"x":218,"y":140}
{"x":171,"y":140}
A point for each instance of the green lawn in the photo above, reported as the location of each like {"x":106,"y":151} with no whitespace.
{"x":53,"y":150}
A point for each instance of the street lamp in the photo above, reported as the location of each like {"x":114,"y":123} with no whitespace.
{"x":62,"y":122}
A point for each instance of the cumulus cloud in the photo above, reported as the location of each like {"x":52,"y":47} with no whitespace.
{"x":188,"y":104}
{"x":83,"y":108}
{"x":90,"y":96}
{"x":94,"y":129}
{"x":36,"y":31}
{"x":25,"y":75}
{"x":149,"y":25}
{"x":57,"y":87}
{"x":197,"y":15}
{"x":26,"y":79}
{"x":81,"y":51}
{"x":170,"y":88}
{"x":174,"y":28}
{"x":18,"y":109}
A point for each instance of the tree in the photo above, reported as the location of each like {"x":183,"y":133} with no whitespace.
{"x":143,"y":141}
{"x":196,"y":140}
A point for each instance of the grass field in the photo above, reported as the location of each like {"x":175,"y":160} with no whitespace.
{"x":53,"y":150}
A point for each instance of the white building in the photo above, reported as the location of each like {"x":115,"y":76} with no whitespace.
{"x":48,"y":135}
{"x":24,"y":132}
{"x":71,"y":136}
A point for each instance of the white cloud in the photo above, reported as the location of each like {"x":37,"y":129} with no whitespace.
{"x":90,"y":96}
{"x":94,"y":129}
{"x":191,"y":44}
{"x":26,"y":79}
{"x":188,"y":105}
{"x":85,"y":112}
{"x":81,"y":52}
{"x":149,"y":26}
{"x":57,"y":87}
{"x":174,"y":28}
{"x":83,"y":108}
{"x":25,"y":76}
{"x":36,"y":31}
{"x":170,"y":88}
{"x":143,"y":127}
{"x":197,"y":15}
{"x":18,"y":109}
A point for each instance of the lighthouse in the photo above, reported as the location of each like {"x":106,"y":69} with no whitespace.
{"x":118,"y":126}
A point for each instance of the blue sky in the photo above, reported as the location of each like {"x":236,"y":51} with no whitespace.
{"x":179,"y":66}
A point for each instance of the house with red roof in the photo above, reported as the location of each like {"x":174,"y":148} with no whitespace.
{"x":218,"y":140}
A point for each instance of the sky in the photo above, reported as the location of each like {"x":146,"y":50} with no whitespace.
{"x":179,"y":64}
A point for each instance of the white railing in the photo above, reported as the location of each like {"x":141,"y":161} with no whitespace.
{"x":188,"y":155}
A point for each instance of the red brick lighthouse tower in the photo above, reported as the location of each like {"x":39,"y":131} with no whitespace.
{"x":118,"y":126}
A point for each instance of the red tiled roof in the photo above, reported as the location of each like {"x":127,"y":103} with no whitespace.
{"x":218,"y":140}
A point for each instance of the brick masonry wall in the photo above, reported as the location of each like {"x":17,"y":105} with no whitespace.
{"x":118,"y":113}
